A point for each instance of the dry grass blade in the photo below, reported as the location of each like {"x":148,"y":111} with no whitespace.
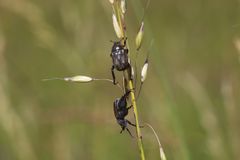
{"x":161,"y":152}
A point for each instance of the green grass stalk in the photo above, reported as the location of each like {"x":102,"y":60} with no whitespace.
{"x":138,"y":131}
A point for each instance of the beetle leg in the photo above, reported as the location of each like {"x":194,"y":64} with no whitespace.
{"x":129,"y":70}
{"x":129,"y":107}
{"x":126,"y":50}
{"x":113,"y":75}
{"x":133,"y":124}
{"x":125,"y":84}
{"x":127,"y":94}
{"x":125,"y":41}
{"x":129,"y":132}
{"x":122,"y":130}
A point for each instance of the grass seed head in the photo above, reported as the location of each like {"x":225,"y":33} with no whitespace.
{"x":117,"y":27}
{"x":144,"y":71}
{"x":139,"y":36}
{"x":111,"y":1}
{"x":81,"y":79}
{"x":123,"y":6}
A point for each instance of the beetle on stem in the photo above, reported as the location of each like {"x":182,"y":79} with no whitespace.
{"x":120,"y":58}
{"x":121,"y":111}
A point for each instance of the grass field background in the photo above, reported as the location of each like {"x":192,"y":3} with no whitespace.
{"x":191,"y":95}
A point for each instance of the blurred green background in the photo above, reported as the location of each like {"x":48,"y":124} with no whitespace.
{"x":191,"y":95}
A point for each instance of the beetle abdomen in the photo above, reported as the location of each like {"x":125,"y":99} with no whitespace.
{"x":120,"y":60}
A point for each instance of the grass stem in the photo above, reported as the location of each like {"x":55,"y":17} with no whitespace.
{"x":138,"y":131}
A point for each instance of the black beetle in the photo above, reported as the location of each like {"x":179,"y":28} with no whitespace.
{"x":120,"y":59}
{"x":121,"y":111}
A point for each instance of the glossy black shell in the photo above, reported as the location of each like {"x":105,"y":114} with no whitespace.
{"x":120,"y":108}
{"x":119,"y":56}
